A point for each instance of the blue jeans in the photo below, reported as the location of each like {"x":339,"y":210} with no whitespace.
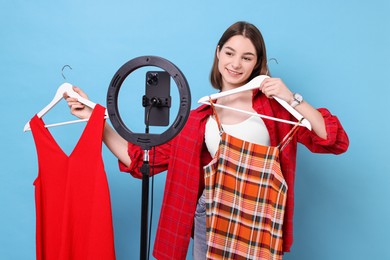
{"x":200,"y":243}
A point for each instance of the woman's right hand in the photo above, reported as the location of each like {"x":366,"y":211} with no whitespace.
{"x":117,"y":144}
{"x":76,"y":108}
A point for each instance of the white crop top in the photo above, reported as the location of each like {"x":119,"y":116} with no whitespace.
{"x":251,"y":130}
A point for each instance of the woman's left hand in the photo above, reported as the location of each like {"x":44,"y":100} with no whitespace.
{"x":276,"y":87}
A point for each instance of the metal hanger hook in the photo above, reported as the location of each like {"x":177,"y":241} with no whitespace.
{"x":62,"y":71}
{"x":274,"y":60}
{"x":269,"y":61}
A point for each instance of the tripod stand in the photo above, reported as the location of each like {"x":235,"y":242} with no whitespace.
{"x":146,"y":140}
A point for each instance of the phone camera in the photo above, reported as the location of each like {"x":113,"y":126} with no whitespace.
{"x":152,"y":79}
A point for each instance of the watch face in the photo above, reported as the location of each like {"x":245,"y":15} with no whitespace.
{"x":298,"y":97}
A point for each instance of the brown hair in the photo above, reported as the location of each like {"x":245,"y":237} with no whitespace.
{"x":252,"y":33}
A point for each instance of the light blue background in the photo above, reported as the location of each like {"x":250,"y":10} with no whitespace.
{"x":336,"y":53}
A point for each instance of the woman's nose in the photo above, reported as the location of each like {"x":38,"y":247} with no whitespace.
{"x":236,"y":63}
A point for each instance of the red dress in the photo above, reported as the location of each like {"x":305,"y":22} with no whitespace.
{"x":73,"y":208}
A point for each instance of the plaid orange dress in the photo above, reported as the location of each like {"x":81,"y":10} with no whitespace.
{"x":245,"y":199}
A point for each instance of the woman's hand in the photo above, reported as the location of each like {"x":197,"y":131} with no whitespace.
{"x":275,"y":87}
{"x":76,"y":108}
{"x":114,"y":142}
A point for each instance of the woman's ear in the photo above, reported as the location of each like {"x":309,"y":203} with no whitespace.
{"x":217,"y":52}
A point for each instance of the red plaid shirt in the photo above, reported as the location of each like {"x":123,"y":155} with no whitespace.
{"x":185,"y":155}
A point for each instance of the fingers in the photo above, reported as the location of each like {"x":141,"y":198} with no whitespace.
{"x":73,"y":103}
{"x":275,"y":87}
{"x":70,"y":100}
{"x":269,"y":87}
{"x":80,"y":92}
{"x":65,"y":95}
{"x":77,"y":108}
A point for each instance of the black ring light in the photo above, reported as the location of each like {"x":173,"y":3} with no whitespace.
{"x":146,"y":140}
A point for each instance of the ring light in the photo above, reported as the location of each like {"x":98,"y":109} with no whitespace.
{"x":146,"y":140}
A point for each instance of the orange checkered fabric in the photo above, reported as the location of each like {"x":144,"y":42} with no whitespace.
{"x":245,"y":200}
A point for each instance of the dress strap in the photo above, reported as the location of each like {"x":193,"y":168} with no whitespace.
{"x":216,"y":116}
{"x":289,"y":136}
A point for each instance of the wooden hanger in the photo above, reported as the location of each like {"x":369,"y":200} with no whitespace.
{"x":68,"y":88}
{"x":253,"y":84}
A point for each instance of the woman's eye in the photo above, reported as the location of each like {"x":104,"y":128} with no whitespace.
{"x":229,"y":53}
{"x":246,"y":59}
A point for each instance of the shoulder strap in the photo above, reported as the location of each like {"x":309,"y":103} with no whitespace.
{"x":289,"y":136}
{"x":216,"y":116}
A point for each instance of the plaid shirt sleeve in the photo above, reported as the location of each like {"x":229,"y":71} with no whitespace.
{"x":159,"y":157}
{"x":337,"y":140}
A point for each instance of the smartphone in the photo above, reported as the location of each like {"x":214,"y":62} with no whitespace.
{"x":157,"y":99}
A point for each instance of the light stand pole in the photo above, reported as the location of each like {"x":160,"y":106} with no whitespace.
{"x":145,"y":170}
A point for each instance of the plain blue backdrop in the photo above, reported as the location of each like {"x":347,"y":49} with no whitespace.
{"x":336,"y":53}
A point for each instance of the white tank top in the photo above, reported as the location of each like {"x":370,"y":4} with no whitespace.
{"x":251,"y":130}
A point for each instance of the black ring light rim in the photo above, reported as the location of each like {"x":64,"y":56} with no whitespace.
{"x":146,"y":141}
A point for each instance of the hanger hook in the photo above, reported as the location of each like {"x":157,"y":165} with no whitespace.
{"x":269,"y":61}
{"x":62,"y":71}
{"x":274,"y":60}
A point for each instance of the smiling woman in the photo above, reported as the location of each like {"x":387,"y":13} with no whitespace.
{"x":264,"y":172}
{"x":253,"y":50}
{"x":324,"y":50}
{"x":236,"y":61}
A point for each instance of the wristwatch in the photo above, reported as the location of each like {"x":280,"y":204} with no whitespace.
{"x":297,"y":100}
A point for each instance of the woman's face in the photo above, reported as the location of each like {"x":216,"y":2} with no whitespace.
{"x":236,"y":61}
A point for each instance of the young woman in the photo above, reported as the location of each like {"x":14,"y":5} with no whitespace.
{"x":239,"y":57}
